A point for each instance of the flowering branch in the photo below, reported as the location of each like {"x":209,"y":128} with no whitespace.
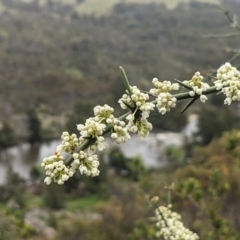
{"x":81,"y":150}
{"x":169,"y":224}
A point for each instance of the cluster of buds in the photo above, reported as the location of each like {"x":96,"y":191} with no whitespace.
{"x":170,"y":225}
{"x":137,"y":103}
{"x":139,"y":124}
{"x":120,"y":133}
{"x":86,"y":163}
{"x":228,"y":81}
{"x":56,"y":170}
{"x":69,"y":143}
{"x":198,"y":86}
{"x":103,"y":114}
{"x":165,"y":100}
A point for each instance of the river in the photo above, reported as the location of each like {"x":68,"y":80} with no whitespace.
{"x":24,"y":156}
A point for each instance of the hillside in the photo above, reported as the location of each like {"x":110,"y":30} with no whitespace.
{"x":104,"y":7}
{"x":51,"y":57}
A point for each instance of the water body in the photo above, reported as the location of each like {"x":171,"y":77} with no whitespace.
{"x":24,"y":156}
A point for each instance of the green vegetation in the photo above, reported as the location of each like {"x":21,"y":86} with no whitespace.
{"x":7,"y":135}
{"x":205,"y":190}
{"x":34,"y":126}
{"x":131,"y":168}
{"x":225,"y":119}
{"x":82,"y":204}
{"x":61,"y":63}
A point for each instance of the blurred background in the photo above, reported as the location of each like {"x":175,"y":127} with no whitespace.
{"x":59,"y":59}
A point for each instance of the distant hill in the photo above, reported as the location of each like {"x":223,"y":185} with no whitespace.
{"x":57,"y":57}
{"x":103,"y":7}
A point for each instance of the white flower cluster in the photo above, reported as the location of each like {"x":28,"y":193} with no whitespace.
{"x":165,"y":100}
{"x":198,"y":86}
{"x":92,"y":130}
{"x":103,"y":114}
{"x":69,"y":143}
{"x":120,"y":133}
{"x":228,"y":81}
{"x":139,"y":125}
{"x":137,"y":121}
{"x":86,"y":163}
{"x":56,"y":170}
{"x":140,"y":99}
{"x":137,"y":100}
{"x":170,"y":225}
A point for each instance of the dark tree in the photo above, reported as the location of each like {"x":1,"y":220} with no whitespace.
{"x":6,"y":135}
{"x":34,"y":126}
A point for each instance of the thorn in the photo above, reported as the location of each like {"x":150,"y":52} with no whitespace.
{"x":190,"y":103}
{"x":183,"y":84}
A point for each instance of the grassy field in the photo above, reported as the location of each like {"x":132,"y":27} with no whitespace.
{"x":83,"y":203}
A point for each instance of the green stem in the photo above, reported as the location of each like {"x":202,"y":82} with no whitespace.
{"x":169,"y":195}
{"x":126,"y":82}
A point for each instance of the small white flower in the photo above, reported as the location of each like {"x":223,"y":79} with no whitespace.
{"x":228,"y":101}
{"x":198,"y":86}
{"x":47,"y":180}
{"x":203,"y":98}
{"x":162,"y":110}
{"x":114,"y":136}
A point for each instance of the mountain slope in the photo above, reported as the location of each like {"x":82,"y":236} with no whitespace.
{"x":104,"y":7}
